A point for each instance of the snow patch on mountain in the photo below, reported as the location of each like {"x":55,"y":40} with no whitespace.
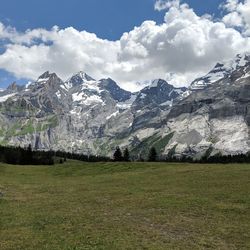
{"x":244,"y":76}
{"x":142,"y":95}
{"x":58,"y":94}
{"x":92,"y":86}
{"x":127,"y":104}
{"x":6,"y":97}
{"x":78,"y":97}
{"x":27,"y":86}
{"x":112,"y":115}
{"x":167,"y":103}
{"x":78,"y":79}
{"x":42,"y":80}
{"x":92,"y":100}
{"x":220,"y":71}
{"x":154,"y":83}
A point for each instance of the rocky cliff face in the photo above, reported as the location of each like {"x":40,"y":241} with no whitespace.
{"x":89,"y":116}
{"x":213,"y":119}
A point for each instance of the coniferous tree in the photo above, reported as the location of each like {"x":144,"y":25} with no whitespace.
{"x":140,"y":158}
{"x":126,"y":156}
{"x":152,"y":156}
{"x":118,"y":154}
{"x":26,"y":155}
{"x":29,"y":154}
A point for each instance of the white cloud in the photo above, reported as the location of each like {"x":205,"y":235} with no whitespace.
{"x":230,"y":5}
{"x":183,"y":47}
{"x":233,"y":19}
{"x":180,"y":49}
{"x":166,"y":4}
{"x":64,"y":51}
{"x":238,"y":15}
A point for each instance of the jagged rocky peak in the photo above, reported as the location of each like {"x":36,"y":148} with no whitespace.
{"x":46,"y":76}
{"x":158,"y":92}
{"x":242,"y":59}
{"x":93,"y":91}
{"x":49,"y":79}
{"x":221,"y":70}
{"x":14,"y":87}
{"x":78,"y":79}
{"x":158,"y":83}
{"x":163,"y":85}
{"x":84,"y":76}
{"x":11,"y":91}
{"x":115,"y":91}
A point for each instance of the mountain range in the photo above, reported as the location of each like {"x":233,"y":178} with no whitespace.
{"x":89,"y":116}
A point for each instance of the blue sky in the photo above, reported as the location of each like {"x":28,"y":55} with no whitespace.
{"x":108,"y":19}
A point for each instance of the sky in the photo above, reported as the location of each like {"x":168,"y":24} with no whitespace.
{"x":130,"y":41}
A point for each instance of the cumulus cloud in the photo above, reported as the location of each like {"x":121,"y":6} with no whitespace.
{"x":238,"y":15}
{"x":230,"y":5}
{"x":183,"y":47}
{"x":166,"y":4}
{"x":60,"y":50}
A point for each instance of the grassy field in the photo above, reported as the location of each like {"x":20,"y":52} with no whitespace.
{"x":125,"y":206}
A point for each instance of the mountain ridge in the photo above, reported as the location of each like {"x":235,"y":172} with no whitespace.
{"x":86,"y":115}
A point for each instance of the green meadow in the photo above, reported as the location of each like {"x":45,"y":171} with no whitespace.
{"x":125,"y":206}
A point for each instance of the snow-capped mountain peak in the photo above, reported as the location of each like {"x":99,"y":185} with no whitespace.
{"x":45,"y":77}
{"x":115,"y":91}
{"x":84,"y":76}
{"x":221,"y":70}
{"x":157,"y":83}
{"x":158,"y":92}
{"x":78,"y":79}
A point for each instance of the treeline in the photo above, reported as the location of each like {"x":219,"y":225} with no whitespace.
{"x":154,"y":157}
{"x":25,"y":156}
{"x":217,"y":158}
{"x":80,"y":157}
{"x":240,"y":158}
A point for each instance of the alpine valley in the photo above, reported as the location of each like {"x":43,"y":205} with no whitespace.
{"x":85,"y":115}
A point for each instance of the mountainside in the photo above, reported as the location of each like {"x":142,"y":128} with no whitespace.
{"x":221,"y":70}
{"x":94,"y":116}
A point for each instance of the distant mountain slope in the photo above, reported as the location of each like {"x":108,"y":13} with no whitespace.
{"x":221,"y":70}
{"x":94,"y":116}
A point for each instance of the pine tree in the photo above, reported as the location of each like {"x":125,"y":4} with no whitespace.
{"x":152,"y":156}
{"x":118,"y":154}
{"x":126,"y":156}
{"x":29,"y":154}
